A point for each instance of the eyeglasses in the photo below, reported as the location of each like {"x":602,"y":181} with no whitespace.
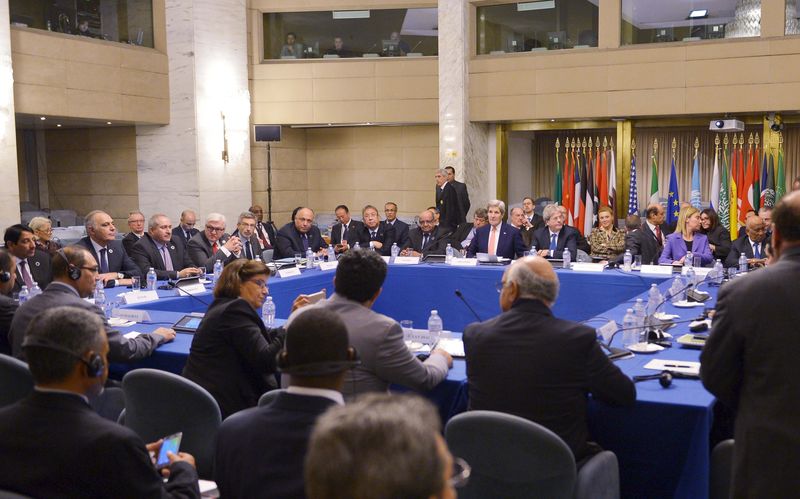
{"x":215,"y":229}
{"x":499,"y":286}
{"x":93,"y":270}
{"x":258,"y":282}
{"x":247,"y":226}
{"x":461,"y":473}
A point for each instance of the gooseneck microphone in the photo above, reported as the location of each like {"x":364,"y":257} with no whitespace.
{"x":461,"y":297}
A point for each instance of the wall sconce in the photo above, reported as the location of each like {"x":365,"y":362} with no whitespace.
{"x":224,"y":140}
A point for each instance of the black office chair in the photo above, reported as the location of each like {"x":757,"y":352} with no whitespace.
{"x":5,"y":494}
{"x":721,"y":470}
{"x":16,"y":381}
{"x":268,"y":397}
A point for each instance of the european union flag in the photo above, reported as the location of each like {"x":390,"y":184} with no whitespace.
{"x":673,"y":200}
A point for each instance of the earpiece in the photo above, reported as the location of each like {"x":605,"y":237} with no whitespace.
{"x":664,"y":378}
{"x":73,"y":272}
{"x":95,"y":363}
{"x":318,"y":368}
{"x":5,"y":276}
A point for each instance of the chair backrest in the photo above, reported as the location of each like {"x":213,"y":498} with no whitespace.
{"x":5,"y":494}
{"x":159,"y":403}
{"x":721,"y":470}
{"x":267,"y":255}
{"x":269,"y":396}
{"x":510,"y":457}
{"x":16,"y":381}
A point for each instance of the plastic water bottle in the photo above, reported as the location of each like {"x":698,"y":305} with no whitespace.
{"x":654,"y":299}
{"x":309,"y":259}
{"x":434,"y":326}
{"x":640,"y":314}
{"x":630,"y":333}
{"x":691,"y":276}
{"x":100,"y":295}
{"x":395,"y":250}
{"x":676,"y":290}
{"x":217,"y":272}
{"x":258,"y":259}
{"x":331,"y":254}
{"x":689,"y":260}
{"x":152,"y":279}
{"x":448,"y":259}
{"x":719,"y":272}
{"x":35,"y":290}
{"x":356,"y":246}
{"x":627,"y":261}
{"x":742,"y":263}
{"x":567,"y":257}
{"x":23,"y":294}
{"x":268,"y":312}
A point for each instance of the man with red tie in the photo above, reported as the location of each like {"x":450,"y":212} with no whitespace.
{"x":213,"y":244}
{"x":265,"y":231}
{"x":33,"y":265}
{"x":497,"y":238}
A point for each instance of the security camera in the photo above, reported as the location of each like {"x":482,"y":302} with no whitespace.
{"x":726,"y":126}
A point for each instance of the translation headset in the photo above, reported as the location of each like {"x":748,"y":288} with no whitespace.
{"x":73,"y":272}
{"x":318,"y":368}
{"x":95,"y":363}
{"x":5,"y":276}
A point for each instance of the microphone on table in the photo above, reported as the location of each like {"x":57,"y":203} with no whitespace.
{"x":655,"y":333}
{"x":173,"y":283}
{"x":461,"y":297}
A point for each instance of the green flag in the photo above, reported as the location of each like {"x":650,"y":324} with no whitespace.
{"x":724,"y":196}
{"x":780,"y":180}
{"x":559,"y":180}
{"x":654,"y":182}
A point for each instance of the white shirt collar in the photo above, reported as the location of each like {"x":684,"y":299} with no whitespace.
{"x":553,"y":233}
{"x":317,"y":392}
{"x":96,"y":246}
{"x":652,"y":227}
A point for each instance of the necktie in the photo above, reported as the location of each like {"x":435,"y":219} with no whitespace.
{"x":658,"y":234}
{"x":756,"y":252}
{"x":553,"y":242}
{"x":492,"y":241}
{"x":305,"y":242}
{"x":214,"y":248}
{"x":344,"y":233}
{"x":424,"y":241}
{"x":247,"y":253}
{"x":167,"y":258}
{"x":103,"y":261}
{"x":26,"y":276}
{"x":372,"y":234}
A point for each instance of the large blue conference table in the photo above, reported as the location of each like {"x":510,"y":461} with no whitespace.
{"x":662,"y":443}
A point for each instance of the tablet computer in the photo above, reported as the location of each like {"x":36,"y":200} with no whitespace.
{"x":188,"y":323}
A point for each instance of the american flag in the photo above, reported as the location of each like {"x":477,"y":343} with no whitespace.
{"x":633,"y":197}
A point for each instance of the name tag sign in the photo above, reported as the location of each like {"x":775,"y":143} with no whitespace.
{"x":190,"y":289}
{"x":289,"y":272}
{"x":587,"y":267}
{"x":657,"y":270}
{"x":464,"y":262}
{"x":698,"y":271}
{"x":131,"y":314}
{"x":607,"y":330}
{"x":406,"y":260}
{"x":134,"y":297}
{"x":328,"y":265}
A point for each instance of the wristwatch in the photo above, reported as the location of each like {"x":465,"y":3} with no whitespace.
{"x":120,"y":275}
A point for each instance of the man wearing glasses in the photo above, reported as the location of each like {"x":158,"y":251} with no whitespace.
{"x":136,"y":226}
{"x":428,"y":238}
{"x":213,"y":244}
{"x":246,"y":232}
{"x":75,"y":271}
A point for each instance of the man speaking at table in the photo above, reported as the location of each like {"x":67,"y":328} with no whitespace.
{"x":531,"y":364}
{"x":115,"y":264}
{"x":428,"y":238}
{"x":378,"y":339}
{"x":160,"y":250}
{"x":750,"y":364}
{"x":212,"y":244}
{"x":496,"y":238}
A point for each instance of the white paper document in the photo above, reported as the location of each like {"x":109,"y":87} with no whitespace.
{"x":681,"y":366}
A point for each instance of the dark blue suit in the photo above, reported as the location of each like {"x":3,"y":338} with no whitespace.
{"x":400,"y":231}
{"x":260,"y":451}
{"x":509,"y":242}
{"x":567,"y":239}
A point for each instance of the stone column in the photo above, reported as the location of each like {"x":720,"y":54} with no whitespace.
{"x":462,"y":144}
{"x":180,"y":165}
{"x":9,"y":187}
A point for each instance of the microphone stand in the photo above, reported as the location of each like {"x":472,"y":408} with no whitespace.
{"x":461,"y":297}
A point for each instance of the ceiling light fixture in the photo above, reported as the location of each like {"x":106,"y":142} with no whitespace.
{"x":698,"y":14}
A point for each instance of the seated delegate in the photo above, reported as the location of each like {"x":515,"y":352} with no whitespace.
{"x":686,"y":238}
{"x":606,"y":240}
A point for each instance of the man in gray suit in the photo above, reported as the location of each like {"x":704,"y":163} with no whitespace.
{"x":212,"y":244}
{"x":74,"y":273}
{"x":385,"y":359}
{"x":750,"y":364}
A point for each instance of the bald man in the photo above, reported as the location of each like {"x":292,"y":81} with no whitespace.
{"x":528,"y":363}
{"x":753,"y":244}
{"x":299,"y":235}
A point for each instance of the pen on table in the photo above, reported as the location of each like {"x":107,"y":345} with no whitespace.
{"x":677,"y":365}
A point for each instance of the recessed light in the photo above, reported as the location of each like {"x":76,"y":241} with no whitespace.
{"x":698,"y":13}
{"x":58,"y":125}
{"x":42,"y":118}
{"x":108,"y":122}
{"x":552,"y":120}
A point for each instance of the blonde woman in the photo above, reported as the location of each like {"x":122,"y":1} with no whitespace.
{"x":606,"y":240}
{"x":686,"y":238}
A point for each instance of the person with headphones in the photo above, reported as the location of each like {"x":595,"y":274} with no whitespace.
{"x":52,"y":444}
{"x":75,"y":271}
{"x":233,"y":353}
{"x":260,"y":452}
{"x":7,"y":305}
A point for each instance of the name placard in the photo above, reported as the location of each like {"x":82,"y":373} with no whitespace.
{"x":192,"y":289}
{"x":464,"y":262}
{"x":134,"y":297}
{"x":406,"y":260}
{"x":130,"y":314}
{"x":657,"y":269}
{"x":289,"y":272}
{"x":587,"y":267}
{"x":328,"y":265}
{"x":607,"y":330}
{"x":698,"y":271}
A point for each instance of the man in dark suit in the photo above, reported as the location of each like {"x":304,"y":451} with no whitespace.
{"x":53,"y":444}
{"x":520,"y":222}
{"x":427,"y":239}
{"x":534,"y":220}
{"x":116,"y":267}
{"x":648,"y":240}
{"x":163,"y":252}
{"x":528,"y":363}
{"x":265,"y":231}
{"x":750,"y":364}
{"x":461,"y":193}
{"x":299,"y":235}
{"x":497,"y":238}
{"x":7,"y":305}
{"x":447,"y":202}
{"x":260,"y":451}
{"x":580,"y":241}
{"x":345,"y":232}
{"x":552,"y":239}
{"x":33,"y":265}
{"x":246,"y":232}
{"x":754,"y":245}
{"x":374,"y":234}
{"x":465,"y":232}
{"x":213,"y":244}
{"x":400,"y":227}
{"x":74,"y":275}
{"x":135,"y":230}
{"x":186,"y":230}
